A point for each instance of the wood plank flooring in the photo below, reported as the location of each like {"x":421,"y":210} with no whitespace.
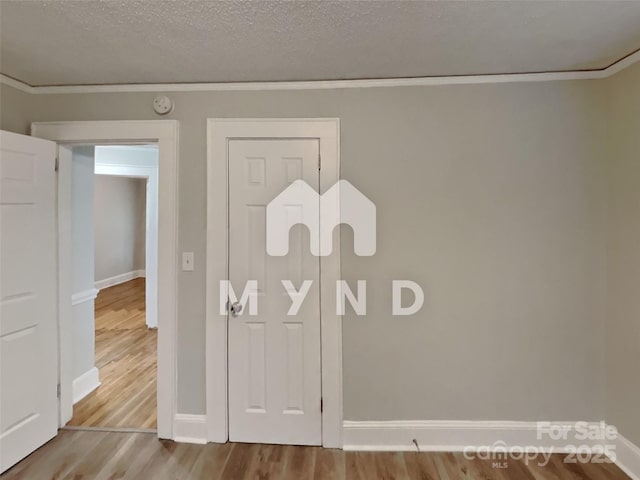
{"x":107,"y":455}
{"x":126,"y":357}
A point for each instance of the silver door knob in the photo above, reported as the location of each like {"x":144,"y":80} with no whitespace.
{"x":235,"y":308}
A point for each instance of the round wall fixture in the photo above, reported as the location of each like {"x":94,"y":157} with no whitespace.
{"x":162,"y":105}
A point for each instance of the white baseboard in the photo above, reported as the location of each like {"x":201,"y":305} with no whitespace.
{"x":190,"y":428}
{"x":628,"y":457}
{"x":460,"y":436}
{"x":450,"y":436}
{"x":85,"y":384}
{"x":118,"y":279}
{"x":85,"y":296}
{"x":455,"y":436}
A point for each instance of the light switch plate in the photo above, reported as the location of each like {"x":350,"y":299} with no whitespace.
{"x":187,"y":261}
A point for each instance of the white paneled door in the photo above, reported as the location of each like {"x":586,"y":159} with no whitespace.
{"x":28,"y":289}
{"x":274,"y":354}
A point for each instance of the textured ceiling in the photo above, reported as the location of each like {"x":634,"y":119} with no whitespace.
{"x":64,"y":42}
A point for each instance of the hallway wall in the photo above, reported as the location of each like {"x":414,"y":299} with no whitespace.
{"x":119,"y":226}
{"x":84,"y":373}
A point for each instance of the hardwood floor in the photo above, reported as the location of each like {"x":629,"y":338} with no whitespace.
{"x":126,"y":357}
{"x":101,"y":455}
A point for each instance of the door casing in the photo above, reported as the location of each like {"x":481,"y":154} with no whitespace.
{"x":219,"y":132}
{"x":165,"y":134}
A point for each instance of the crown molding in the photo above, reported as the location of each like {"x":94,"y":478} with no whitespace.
{"x":621,"y":64}
{"x":612,"y":69}
{"x":17,"y":84}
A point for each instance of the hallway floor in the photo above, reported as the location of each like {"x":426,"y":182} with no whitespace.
{"x":126,"y":357}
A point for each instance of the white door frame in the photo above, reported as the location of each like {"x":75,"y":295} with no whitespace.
{"x":165,"y":134}
{"x":219,"y":132}
{"x":150,"y":174}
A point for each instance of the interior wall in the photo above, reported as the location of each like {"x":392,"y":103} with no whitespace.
{"x":82,"y":254}
{"x":119,"y":225}
{"x":623,"y":313}
{"x":489,"y":196}
{"x":15,"y":109}
{"x":140,"y":248}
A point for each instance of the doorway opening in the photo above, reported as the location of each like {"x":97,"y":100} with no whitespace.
{"x":114,"y":244}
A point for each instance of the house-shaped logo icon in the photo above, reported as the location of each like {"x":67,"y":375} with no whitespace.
{"x":342,"y":203}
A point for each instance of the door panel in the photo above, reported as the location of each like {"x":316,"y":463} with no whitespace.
{"x":28,"y":289}
{"x":274,"y":358}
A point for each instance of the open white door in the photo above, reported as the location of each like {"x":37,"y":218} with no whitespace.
{"x":274,"y":355}
{"x":28,"y":290}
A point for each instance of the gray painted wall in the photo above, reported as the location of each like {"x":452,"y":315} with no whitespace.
{"x":15,"y":110}
{"x":489,"y":196}
{"x":82,"y":251}
{"x":623,"y":315}
{"x":119,"y":225}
